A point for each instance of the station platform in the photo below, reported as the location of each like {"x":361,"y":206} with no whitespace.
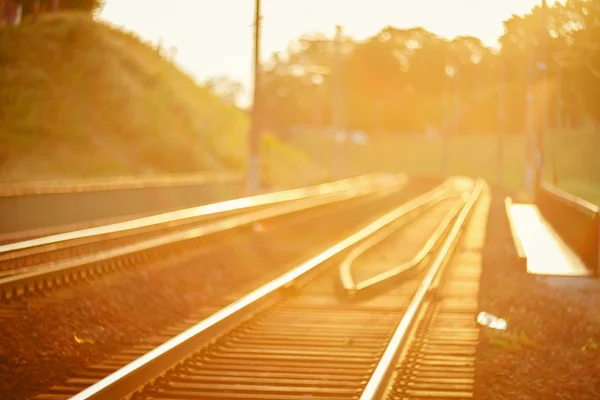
{"x":540,"y":247}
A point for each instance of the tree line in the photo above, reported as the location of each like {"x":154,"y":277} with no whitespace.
{"x":403,"y":80}
{"x":31,"y":7}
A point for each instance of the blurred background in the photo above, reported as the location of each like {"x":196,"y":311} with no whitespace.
{"x":454,"y":87}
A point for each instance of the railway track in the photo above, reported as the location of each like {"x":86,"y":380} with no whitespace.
{"x":432,"y":352}
{"x":116,"y":183}
{"x":24,"y":205}
{"x":41,"y":264}
{"x":302,"y":334}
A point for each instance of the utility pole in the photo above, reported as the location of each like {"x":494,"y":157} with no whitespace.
{"x":336,"y":108}
{"x":446,"y":123}
{"x":500,"y":122}
{"x":446,"y":117}
{"x":558,"y":123}
{"x":456,"y":103}
{"x":255,"y":125}
{"x":543,"y":67}
{"x":530,"y":134}
{"x":559,"y":98}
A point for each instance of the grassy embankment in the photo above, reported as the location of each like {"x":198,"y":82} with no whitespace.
{"x":81,"y":99}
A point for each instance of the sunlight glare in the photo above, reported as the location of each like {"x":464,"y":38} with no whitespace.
{"x":214,"y":37}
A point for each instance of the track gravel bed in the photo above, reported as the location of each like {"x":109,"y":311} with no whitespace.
{"x":45,"y":339}
{"x":551,"y":348}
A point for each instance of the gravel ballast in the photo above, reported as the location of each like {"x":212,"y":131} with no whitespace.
{"x":551,"y":347}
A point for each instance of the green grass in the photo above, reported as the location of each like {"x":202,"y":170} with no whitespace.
{"x":508,"y":341}
{"x":577,"y":163}
{"x":81,"y":99}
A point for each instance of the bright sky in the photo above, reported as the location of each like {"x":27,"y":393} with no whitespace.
{"x":214,"y":37}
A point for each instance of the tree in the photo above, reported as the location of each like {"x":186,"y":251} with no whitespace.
{"x":89,"y":6}
{"x":226,"y":89}
{"x":408,"y":79}
{"x":578,"y":56}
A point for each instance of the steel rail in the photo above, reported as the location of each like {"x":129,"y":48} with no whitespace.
{"x":152,"y":364}
{"x":13,"y":189}
{"x":34,"y":256}
{"x":23,"y":235}
{"x":210,"y":209}
{"x":426,"y":250}
{"x":345,"y":270}
{"x":29,"y":280}
{"x":379,"y":381}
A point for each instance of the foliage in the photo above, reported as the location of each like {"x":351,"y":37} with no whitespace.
{"x":408,"y":79}
{"x":78,"y":98}
{"x":89,"y":6}
{"x":226,"y":89}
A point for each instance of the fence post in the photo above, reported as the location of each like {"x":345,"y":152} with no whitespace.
{"x":35,"y":9}
{"x":598,"y":242}
{"x":18,"y":15}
